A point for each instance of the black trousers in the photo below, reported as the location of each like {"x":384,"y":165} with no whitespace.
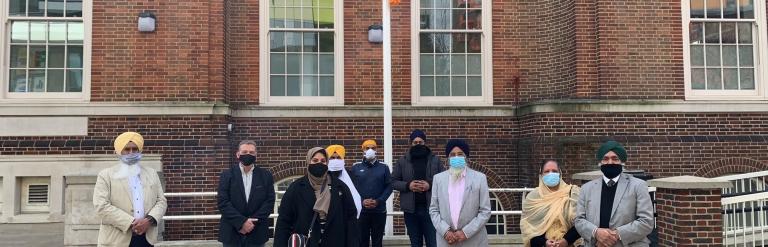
{"x":139,"y":241}
{"x":372,"y":228}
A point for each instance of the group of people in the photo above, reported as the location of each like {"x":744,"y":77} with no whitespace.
{"x":332,"y":205}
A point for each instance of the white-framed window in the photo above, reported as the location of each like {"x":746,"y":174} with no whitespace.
{"x":497,"y":224}
{"x":301,"y":51}
{"x":724,"y":50}
{"x":46,"y":49}
{"x":451,"y":52}
{"x":280,"y":188}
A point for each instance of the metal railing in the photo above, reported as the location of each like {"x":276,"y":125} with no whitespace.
{"x":745,"y":222}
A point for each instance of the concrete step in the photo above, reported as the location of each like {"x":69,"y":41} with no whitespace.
{"x":511,"y":240}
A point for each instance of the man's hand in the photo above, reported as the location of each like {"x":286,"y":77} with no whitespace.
{"x":370,"y":203}
{"x":247,"y":227}
{"x":606,"y":237}
{"x":415,"y":186}
{"x":460,"y":236}
{"x":139,"y":227}
{"x":449,"y":237}
{"x":424,"y":185}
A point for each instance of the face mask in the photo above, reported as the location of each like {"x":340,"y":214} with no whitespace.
{"x":370,"y":154}
{"x":247,"y":159}
{"x":335,"y":165}
{"x":419,"y":150}
{"x":131,"y":158}
{"x":458,"y":162}
{"x":611,"y":170}
{"x":552,"y":179}
{"x":318,"y":169}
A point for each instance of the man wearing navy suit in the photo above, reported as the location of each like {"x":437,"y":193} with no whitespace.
{"x":246,"y":197}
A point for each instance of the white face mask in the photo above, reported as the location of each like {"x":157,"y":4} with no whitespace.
{"x":370,"y":154}
{"x":335,"y":165}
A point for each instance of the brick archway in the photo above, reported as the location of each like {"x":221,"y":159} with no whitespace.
{"x":730,"y":166}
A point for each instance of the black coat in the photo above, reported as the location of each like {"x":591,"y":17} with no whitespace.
{"x":235,"y":210}
{"x":295,"y":214}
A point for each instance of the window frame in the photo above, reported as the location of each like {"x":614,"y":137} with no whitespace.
{"x":761,"y":59}
{"x":83,"y":96}
{"x":264,"y":57}
{"x":486,"y":99}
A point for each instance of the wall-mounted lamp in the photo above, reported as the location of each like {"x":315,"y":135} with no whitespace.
{"x":147,"y":22}
{"x":375,"y":33}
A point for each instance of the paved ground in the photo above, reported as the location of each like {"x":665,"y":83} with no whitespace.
{"x":32,"y":235}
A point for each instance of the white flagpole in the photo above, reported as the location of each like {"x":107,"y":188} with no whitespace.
{"x":387,"y":53}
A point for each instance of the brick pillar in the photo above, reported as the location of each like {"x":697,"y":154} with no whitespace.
{"x":688,"y":211}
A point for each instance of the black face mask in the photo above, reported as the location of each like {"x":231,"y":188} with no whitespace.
{"x":335,"y":174}
{"x":611,"y":170}
{"x":318,"y":169}
{"x":420,"y":151}
{"x":247,"y":159}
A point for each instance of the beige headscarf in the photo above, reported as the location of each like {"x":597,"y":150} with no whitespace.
{"x":322,"y":200}
{"x":549,"y":212}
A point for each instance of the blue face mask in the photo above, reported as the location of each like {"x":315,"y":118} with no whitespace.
{"x":131,"y":158}
{"x":552,"y":179}
{"x":458,"y":162}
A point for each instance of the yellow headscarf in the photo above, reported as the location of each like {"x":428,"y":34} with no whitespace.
{"x":549,"y":212}
{"x":338,"y":149}
{"x":124,"y":138}
{"x":368,"y":143}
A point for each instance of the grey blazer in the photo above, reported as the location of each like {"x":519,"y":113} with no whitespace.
{"x":402,"y":174}
{"x":475,"y":211}
{"x":632,"y":213}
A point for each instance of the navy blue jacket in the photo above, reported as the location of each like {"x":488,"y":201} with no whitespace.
{"x":372,"y":181}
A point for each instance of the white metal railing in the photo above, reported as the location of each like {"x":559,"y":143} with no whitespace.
{"x":745,"y":222}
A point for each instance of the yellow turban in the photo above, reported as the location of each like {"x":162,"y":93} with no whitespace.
{"x":124,"y":138}
{"x":338,"y":149}
{"x":368,"y":143}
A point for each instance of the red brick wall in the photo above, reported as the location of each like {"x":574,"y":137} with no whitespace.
{"x":243,"y":52}
{"x":689,"y":217}
{"x":181,"y":61}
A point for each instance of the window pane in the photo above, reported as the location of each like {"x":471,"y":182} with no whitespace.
{"x":38,"y":31}
{"x":277,"y":17}
{"x":713,"y":8}
{"x":474,"y":86}
{"x":35,"y":8}
{"x":697,"y":55}
{"x":696,"y":30}
{"x":74,"y":80}
{"x":474,"y":44}
{"x":326,"y":3}
{"x":458,"y":64}
{"x":292,"y":17}
{"x":697,"y":8}
{"x":459,"y":42}
{"x":697,"y":78}
{"x":74,"y":8}
{"x":475,"y":3}
{"x":55,"y":80}
{"x":20,"y":32}
{"x":427,"y":3}
{"x":474,"y":19}
{"x":442,"y":43}
{"x":326,"y":86}
{"x":442,"y":86}
{"x":427,"y":65}
{"x":56,"y":56}
{"x":474,"y":65}
{"x":729,"y":33}
{"x":459,"y":86}
{"x":18,"y":56}
{"x":294,"y":86}
{"x":326,"y":64}
{"x":459,"y":19}
{"x":426,"y":19}
{"x":309,"y":86}
{"x":18,"y":80}
{"x":37,"y":80}
{"x":729,"y":55}
{"x":75,"y":32}
{"x":426,"y":43}
{"x":713,"y":55}
{"x":326,"y":18}
{"x":441,"y":19}
{"x":310,"y":42}
{"x":729,"y":11}
{"x":731,"y":78}
{"x":326,"y":42}
{"x":294,"y":64}
{"x":55,"y":8}
{"x":745,"y":33}
{"x":309,"y":18}
{"x":712,"y":32}
{"x":74,"y":56}
{"x":310,"y":64}
{"x":714,"y":80}
{"x":57,"y":32}
{"x":305,"y":3}
{"x":293,"y":41}
{"x":747,"y":9}
{"x":747,"y":78}
{"x":277,"y":85}
{"x":442,"y":3}
{"x":427,"y":85}
{"x":277,"y":41}
{"x":17,"y":8}
{"x":37,"y":54}
{"x":442,"y":65}
{"x":745,"y":55}
{"x":277,"y":63}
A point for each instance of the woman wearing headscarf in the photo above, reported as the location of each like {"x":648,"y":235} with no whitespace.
{"x":336,"y":168}
{"x":549,"y":211}
{"x":320,"y":196}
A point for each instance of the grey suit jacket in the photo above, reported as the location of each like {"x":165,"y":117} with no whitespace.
{"x":631,"y":216}
{"x":402,"y":175}
{"x":475,"y":211}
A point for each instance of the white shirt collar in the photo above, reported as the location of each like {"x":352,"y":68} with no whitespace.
{"x":615,"y":180}
{"x":242,"y":170}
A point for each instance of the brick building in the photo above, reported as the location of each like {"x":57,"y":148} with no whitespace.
{"x":683,"y":84}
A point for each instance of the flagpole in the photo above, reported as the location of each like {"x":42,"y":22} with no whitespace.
{"x":387,"y":53}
